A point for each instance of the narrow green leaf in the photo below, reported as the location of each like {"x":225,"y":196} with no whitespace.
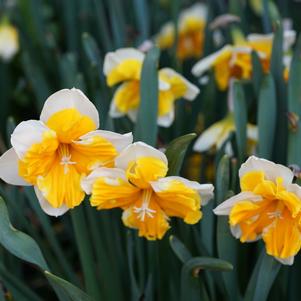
{"x":240,"y":117}
{"x":192,"y":280}
{"x":73,"y":292}
{"x":146,"y":126}
{"x":257,"y":72}
{"x":262,"y":278}
{"x":142,"y":18}
{"x":18,"y":243}
{"x":294,"y":107}
{"x":266,"y":117}
{"x":175,"y":153}
{"x":179,"y":249}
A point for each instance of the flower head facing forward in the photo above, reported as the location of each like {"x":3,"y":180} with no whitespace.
{"x":191,"y":32}
{"x":124,"y":66}
{"x":268,"y":207}
{"x":235,"y":61}
{"x":140,"y":187}
{"x":53,"y":153}
{"x":9,"y":40}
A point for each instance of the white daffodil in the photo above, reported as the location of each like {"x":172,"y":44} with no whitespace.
{"x":217,"y":134}
{"x":140,"y":187}
{"x":124,"y":66}
{"x":268,"y":207}
{"x":191,"y":32}
{"x":9,"y":41}
{"x":53,"y":153}
{"x":235,"y":61}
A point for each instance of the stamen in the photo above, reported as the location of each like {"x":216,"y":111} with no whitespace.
{"x":144,"y":210}
{"x":275,"y":214}
{"x":66,"y":161}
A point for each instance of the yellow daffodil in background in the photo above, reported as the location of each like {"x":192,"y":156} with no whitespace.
{"x":53,"y":153}
{"x":138,"y":184}
{"x":124,"y":66}
{"x":191,"y":32}
{"x":267,"y":207}
{"x":235,"y":61}
{"x":217,"y":134}
{"x":9,"y":40}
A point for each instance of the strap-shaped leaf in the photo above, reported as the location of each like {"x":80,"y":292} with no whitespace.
{"x":146,"y":125}
{"x":179,"y":249}
{"x":175,"y":153}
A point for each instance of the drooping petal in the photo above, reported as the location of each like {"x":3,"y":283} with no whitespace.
{"x":61,"y":185}
{"x":209,"y":137}
{"x":181,"y":198}
{"x":271,"y":170}
{"x":179,"y":85}
{"x":167,"y":119}
{"x":283,"y":238}
{"x":123,"y":64}
{"x":72,"y":99}
{"x":9,"y":41}
{"x":47,"y":208}
{"x":9,"y":169}
{"x":206,"y":63}
{"x":225,"y":207}
{"x":151,"y":222}
{"x":126,"y":98}
{"x":109,"y":188}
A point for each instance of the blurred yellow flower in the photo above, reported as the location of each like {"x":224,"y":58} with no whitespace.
{"x":53,"y":153}
{"x":191,"y":32}
{"x":9,"y":40}
{"x":140,"y":187}
{"x":268,"y":207}
{"x":124,"y":66}
{"x":217,"y":134}
{"x":235,"y":61}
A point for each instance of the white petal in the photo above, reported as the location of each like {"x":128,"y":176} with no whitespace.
{"x":68,"y":99}
{"x":286,"y":261}
{"x":47,"y":208}
{"x":26,"y":134}
{"x":132,"y":114}
{"x":294,"y":188}
{"x":167,"y":119}
{"x":135,"y":151}
{"x":112,"y":59}
{"x":204,"y":190}
{"x":9,"y":170}
{"x":270,"y":169}
{"x":252,"y":132}
{"x":289,"y":38}
{"x":198,"y":11}
{"x":114,"y":112}
{"x":119,"y":141}
{"x":192,"y":90}
{"x":209,"y":137}
{"x":225,"y":207}
{"x":163,"y":85}
{"x":206,"y":63}
{"x":110,"y":173}
{"x":257,"y":37}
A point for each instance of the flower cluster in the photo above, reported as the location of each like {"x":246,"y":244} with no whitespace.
{"x":63,"y":155}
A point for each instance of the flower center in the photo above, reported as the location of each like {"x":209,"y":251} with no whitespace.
{"x":144,"y":210}
{"x":65,"y":157}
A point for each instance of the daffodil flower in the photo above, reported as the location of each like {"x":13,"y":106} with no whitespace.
{"x":9,"y":40}
{"x":268,"y":207}
{"x":138,"y":184}
{"x":53,"y":153}
{"x":124,"y":66}
{"x":235,"y":61}
{"x":217,"y":134}
{"x":191,"y":32}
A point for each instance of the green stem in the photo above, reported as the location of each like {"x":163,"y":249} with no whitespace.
{"x":85,"y":252}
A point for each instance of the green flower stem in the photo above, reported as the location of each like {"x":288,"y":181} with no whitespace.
{"x":85,"y":251}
